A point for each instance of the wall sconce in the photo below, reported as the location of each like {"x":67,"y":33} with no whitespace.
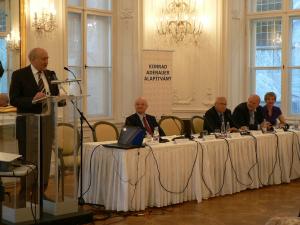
{"x":43,"y":16}
{"x":180,"y":22}
{"x":13,"y":40}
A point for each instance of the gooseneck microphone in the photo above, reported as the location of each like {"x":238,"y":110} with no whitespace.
{"x":73,"y":74}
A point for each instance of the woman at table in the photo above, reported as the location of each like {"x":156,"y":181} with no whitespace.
{"x":271,"y":112}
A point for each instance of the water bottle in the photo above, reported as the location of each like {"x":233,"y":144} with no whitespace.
{"x":223,"y":129}
{"x":264,"y":126}
{"x":156,"y":134}
{"x":227,"y":129}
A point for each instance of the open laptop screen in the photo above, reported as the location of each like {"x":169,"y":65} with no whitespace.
{"x":131,"y":136}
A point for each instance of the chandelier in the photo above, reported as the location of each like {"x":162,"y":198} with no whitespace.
{"x":44,"y":19}
{"x":180,"y":22}
{"x":13,"y":40}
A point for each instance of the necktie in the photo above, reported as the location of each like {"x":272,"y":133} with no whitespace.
{"x":146,"y":125}
{"x":41,"y":87}
{"x":222,"y":117}
{"x":41,"y":82}
{"x":252,"y":118}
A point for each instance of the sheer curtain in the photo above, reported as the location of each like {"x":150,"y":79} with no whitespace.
{"x":75,"y":51}
{"x":90,"y":53}
{"x":99,"y":71}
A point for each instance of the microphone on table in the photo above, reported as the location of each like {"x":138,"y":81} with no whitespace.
{"x":286,"y":127}
{"x":73,"y":74}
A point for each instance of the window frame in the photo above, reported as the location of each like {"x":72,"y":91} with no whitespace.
{"x":84,"y":12}
{"x":286,"y":13}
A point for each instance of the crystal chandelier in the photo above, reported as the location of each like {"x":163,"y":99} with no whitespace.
{"x":44,"y":20}
{"x":13,"y":40}
{"x":180,"y":22}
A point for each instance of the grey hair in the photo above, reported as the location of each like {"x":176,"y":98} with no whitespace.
{"x":34,"y":53}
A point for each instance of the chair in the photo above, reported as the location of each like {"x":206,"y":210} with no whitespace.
{"x":197,"y":123}
{"x":66,"y":143}
{"x":171,"y":125}
{"x":105,"y":131}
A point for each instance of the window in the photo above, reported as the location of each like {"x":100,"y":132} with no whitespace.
{"x":275,"y":51}
{"x":3,"y":16}
{"x":264,"y":5}
{"x":295,"y":4}
{"x":90,"y":53}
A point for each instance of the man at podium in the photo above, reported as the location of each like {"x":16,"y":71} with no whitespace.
{"x":30,"y":84}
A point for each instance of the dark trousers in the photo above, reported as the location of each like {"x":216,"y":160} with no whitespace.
{"x":28,"y":142}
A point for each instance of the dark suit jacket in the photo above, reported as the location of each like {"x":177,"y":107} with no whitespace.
{"x":213,"y":121}
{"x":134,"y":120}
{"x":23,"y":88}
{"x":241,"y":116}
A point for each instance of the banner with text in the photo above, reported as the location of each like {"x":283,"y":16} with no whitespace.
{"x":157,"y":81}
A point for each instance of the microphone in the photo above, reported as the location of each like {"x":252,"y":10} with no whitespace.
{"x":64,"y":81}
{"x":73,"y":74}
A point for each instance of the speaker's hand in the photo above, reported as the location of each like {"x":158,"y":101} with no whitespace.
{"x":39,"y":95}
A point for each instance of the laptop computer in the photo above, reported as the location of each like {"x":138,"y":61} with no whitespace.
{"x":130,"y":137}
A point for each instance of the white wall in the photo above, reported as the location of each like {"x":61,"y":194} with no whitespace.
{"x":52,"y":42}
{"x":234,"y":35}
{"x":200,"y":74}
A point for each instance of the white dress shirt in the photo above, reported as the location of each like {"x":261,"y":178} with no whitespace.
{"x":36,"y":77}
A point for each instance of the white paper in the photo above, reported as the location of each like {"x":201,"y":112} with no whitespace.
{"x":8,"y":157}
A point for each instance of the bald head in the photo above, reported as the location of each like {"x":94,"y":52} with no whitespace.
{"x":253,"y":102}
{"x":220,"y":104}
{"x":38,"y":57}
{"x":141,"y":105}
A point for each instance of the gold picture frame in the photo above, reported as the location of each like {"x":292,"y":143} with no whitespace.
{"x":23,"y":33}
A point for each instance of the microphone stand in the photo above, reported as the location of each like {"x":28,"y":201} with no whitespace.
{"x":82,"y":118}
{"x":67,"y":69}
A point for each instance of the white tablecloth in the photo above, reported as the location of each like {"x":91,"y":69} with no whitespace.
{"x":169,"y":173}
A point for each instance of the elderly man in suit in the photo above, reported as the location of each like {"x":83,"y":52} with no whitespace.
{"x":143,"y":120}
{"x":249,"y":114}
{"x":28,"y":84}
{"x":217,"y":114}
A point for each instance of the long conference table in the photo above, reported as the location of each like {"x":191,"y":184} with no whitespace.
{"x":174,"y":172}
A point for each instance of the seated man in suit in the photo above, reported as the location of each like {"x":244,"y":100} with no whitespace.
{"x":217,"y":114}
{"x":143,"y":120}
{"x":249,"y":114}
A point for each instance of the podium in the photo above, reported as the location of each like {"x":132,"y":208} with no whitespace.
{"x":63,"y":180}
{"x":52,"y":186}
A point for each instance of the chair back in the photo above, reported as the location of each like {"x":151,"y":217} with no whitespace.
{"x":66,"y":139}
{"x":105,"y":131}
{"x":197,"y":124}
{"x":171,"y":125}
